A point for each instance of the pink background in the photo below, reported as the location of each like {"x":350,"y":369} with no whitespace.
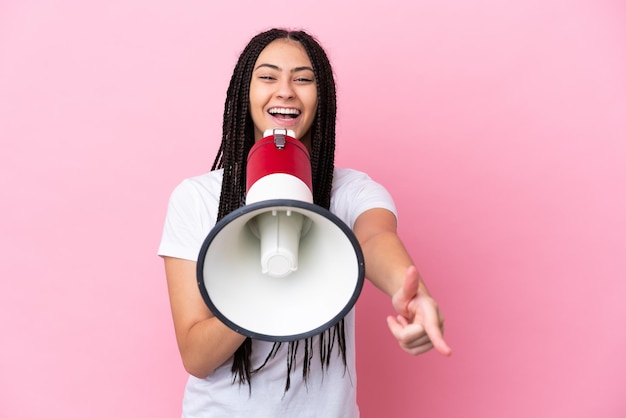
{"x":499,"y":127}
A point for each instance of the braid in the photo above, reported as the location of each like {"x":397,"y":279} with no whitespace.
{"x":238,"y":139}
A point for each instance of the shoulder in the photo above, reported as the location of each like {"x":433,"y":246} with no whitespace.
{"x":348,"y":177}
{"x":203,"y":187}
{"x":207,"y":181}
{"x":196,"y":197}
{"x":355,"y":192}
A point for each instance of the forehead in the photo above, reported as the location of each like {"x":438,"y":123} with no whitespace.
{"x":284,"y":53}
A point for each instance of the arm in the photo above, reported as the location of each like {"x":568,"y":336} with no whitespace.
{"x":203,"y":340}
{"x":419,"y":323}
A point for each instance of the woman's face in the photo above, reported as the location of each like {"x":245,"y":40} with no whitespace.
{"x":283,"y":90}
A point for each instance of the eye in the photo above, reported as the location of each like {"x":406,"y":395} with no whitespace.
{"x":266,"y":77}
{"x":304,"y":80}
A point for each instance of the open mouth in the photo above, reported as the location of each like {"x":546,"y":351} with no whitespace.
{"x":284,"y":112}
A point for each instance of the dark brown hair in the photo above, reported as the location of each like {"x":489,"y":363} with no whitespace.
{"x":238,"y":139}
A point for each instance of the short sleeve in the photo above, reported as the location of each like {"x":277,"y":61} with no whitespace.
{"x":354,"y":192}
{"x":191,"y":213}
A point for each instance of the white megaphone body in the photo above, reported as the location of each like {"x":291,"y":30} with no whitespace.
{"x":280,"y":268}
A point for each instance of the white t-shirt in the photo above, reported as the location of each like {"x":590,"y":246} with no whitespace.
{"x":328,"y":393}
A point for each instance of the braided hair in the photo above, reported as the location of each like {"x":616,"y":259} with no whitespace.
{"x":238,"y":139}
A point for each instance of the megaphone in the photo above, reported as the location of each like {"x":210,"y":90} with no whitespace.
{"x":280,"y":268}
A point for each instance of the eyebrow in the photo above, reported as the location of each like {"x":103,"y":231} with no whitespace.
{"x":277,"y":68}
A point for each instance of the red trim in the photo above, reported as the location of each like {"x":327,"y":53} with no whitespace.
{"x":265,"y":159}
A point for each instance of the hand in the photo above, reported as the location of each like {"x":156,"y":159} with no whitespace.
{"x":418,"y":326}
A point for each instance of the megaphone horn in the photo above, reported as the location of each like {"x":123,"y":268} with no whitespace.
{"x":280,"y":268}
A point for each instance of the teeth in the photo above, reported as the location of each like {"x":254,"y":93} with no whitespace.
{"x":283,"y":111}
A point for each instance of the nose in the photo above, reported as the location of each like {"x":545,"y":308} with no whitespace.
{"x":285,"y":89}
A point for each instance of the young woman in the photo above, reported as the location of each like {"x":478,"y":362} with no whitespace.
{"x":283,"y":79}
